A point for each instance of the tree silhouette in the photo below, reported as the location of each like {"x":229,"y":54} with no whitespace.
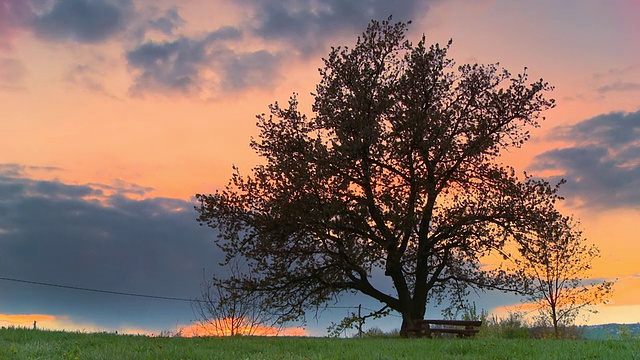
{"x":556,"y":260}
{"x":394,"y":177}
{"x":223,"y":311}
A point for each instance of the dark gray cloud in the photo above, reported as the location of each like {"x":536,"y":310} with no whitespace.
{"x":617,"y":72}
{"x":244,"y":70}
{"x":20,"y":170}
{"x":84,"y":21}
{"x":76,"y":235}
{"x":167,"y":23}
{"x":93,"y":236}
{"x":210,"y":64}
{"x":168,"y":66}
{"x":602,"y":166}
{"x":151,"y":21}
{"x":309,"y":24}
{"x":619,"y":86}
{"x":180,"y":66}
{"x":204,"y":65}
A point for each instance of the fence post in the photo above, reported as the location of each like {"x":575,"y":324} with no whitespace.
{"x":360,"y":320}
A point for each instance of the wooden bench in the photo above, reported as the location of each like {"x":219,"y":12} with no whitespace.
{"x":435,"y":328}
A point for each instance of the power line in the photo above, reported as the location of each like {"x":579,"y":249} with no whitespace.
{"x":140,"y":295}
{"x":339,"y":307}
{"x":355,"y":307}
{"x":99,"y":290}
{"x":390,"y":314}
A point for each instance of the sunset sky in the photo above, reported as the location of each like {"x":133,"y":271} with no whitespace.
{"x":115,"y":113}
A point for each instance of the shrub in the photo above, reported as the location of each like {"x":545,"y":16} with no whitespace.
{"x":512,"y":327}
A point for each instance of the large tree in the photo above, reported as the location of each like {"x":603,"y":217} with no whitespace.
{"x":393,"y":177}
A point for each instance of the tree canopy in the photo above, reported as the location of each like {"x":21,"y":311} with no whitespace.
{"x":394,"y":176}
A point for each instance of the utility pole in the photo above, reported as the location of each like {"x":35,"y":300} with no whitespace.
{"x":360,"y":320}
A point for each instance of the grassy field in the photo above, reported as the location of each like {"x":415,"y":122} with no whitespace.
{"x":35,"y":344}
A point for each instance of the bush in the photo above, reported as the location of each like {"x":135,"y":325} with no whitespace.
{"x":376,"y":332}
{"x":624,"y":333}
{"x":512,"y":327}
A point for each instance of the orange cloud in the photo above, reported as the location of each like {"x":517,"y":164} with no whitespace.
{"x":626,"y":314}
{"x":46,"y":322}
{"x":626,"y":291}
{"x":527,"y":310}
{"x":62,"y":322}
{"x":21,"y":320}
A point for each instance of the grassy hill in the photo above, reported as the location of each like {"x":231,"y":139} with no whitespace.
{"x":611,"y":331}
{"x":36,"y":344}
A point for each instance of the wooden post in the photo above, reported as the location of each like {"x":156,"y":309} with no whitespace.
{"x":360,"y":320}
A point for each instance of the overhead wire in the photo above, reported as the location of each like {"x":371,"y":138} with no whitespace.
{"x":158,"y":297}
{"x":98,"y":290}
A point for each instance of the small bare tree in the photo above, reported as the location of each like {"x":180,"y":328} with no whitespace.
{"x":556,"y":260}
{"x":223,"y":311}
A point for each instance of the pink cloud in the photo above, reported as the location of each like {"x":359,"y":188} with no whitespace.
{"x":14,"y":15}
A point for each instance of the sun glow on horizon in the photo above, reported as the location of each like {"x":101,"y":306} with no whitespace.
{"x":65,"y":323}
{"x":224,"y":329}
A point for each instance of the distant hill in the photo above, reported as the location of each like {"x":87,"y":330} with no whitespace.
{"x":609,"y":331}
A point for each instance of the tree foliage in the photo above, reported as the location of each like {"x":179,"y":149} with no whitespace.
{"x":556,"y":260}
{"x":392,"y":188}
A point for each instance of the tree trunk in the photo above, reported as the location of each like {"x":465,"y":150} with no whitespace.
{"x":554,"y":318}
{"x":408,"y":328}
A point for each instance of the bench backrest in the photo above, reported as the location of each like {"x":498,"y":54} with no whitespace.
{"x":453,"y":322}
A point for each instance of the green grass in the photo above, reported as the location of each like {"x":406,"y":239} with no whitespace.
{"x":35,"y":344}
